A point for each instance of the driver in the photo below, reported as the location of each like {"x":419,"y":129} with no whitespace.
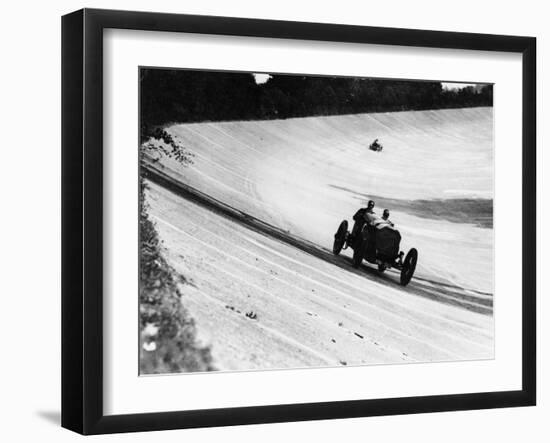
{"x":362,"y":216}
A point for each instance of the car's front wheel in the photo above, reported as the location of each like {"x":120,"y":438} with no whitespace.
{"x":409,"y":265}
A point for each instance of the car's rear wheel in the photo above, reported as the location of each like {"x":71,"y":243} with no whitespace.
{"x":358,"y":252}
{"x":360,"y":247}
{"x":340,"y":237}
{"x":409,"y":265}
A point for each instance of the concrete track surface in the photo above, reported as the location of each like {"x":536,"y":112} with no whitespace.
{"x":262,"y":303}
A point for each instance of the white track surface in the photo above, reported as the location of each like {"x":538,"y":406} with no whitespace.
{"x":305,"y":176}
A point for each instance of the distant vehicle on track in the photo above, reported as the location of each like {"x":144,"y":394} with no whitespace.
{"x":376,"y":146}
{"x":379,"y":246}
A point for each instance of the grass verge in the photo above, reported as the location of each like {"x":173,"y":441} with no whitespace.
{"x":168,"y":342}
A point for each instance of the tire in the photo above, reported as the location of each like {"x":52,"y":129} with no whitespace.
{"x":359,"y":252}
{"x":409,"y":265}
{"x":340,"y":237}
{"x":358,"y":255}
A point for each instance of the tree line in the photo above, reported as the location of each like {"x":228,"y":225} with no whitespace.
{"x":182,"y":96}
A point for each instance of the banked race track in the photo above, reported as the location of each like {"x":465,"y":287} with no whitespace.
{"x":250,"y":224}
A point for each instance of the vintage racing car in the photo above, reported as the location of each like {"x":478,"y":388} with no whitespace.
{"x":377,"y":245}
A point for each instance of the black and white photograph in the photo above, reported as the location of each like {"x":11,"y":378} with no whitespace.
{"x":266,"y":222}
{"x":295,"y":221}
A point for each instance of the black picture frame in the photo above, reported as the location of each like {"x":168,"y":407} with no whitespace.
{"x":82,"y":218}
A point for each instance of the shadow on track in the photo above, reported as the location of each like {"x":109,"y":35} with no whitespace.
{"x":442,"y":292}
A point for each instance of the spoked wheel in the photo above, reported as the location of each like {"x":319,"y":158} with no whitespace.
{"x":409,"y":265}
{"x":340,"y":237}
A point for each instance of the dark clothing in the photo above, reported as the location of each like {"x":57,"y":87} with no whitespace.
{"x":360,"y":220}
{"x":360,"y":214}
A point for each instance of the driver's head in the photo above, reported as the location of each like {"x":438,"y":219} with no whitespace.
{"x":386,"y":214}
{"x":370,"y":205}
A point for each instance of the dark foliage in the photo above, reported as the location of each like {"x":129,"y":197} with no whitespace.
{"x":151,"y":136}
{"x":181,"y":96}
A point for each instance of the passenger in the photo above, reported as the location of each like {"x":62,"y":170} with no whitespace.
{"x":385,"y":221}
